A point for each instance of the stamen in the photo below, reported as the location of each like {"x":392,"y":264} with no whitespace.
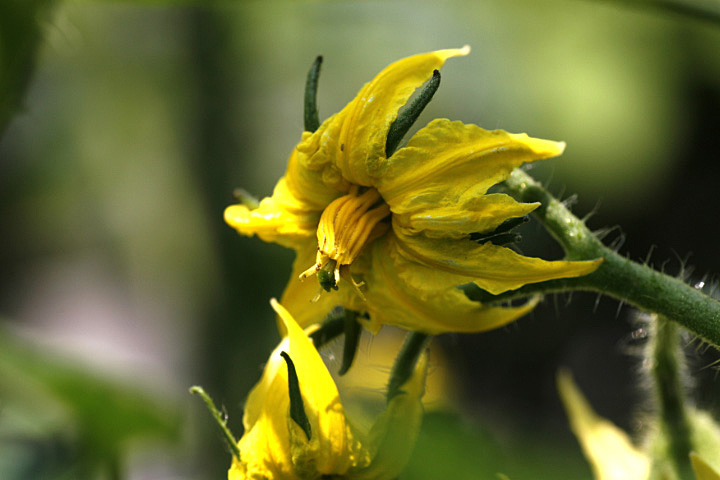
{"x":346,"y":226}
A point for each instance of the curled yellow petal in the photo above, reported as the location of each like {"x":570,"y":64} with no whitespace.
{"x":411,"y":296}
{"x":455,"y":220}
{"x":282,"y":218}
{"x":494,"y":268}
{"x":312,"y":175}
{"x":608,"y":449}
{"x":450,"y":163}
{"x":360,"y":148}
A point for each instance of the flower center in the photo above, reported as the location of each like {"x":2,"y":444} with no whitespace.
{"x":346,"y":226}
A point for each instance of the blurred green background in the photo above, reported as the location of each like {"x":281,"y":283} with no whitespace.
{"x":121,"y":286}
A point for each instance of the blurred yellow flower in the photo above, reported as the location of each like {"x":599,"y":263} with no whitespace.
{"x":275,"y":447}
{"x":609,"y":450}
{"x":402,"y":223}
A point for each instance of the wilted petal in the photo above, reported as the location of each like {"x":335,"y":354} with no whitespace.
{"x":494,"y":268}
{"x":409,"y":295}
{"x":360,"y":148}
{"x":608,"y":449}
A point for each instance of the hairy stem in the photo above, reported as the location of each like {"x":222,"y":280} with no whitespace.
{"x":618,"y":277}
{"x":667,"y":366}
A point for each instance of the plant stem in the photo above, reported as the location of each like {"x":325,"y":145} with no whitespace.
{"x":667,"y":366}
{"x":618,"y":277}
{"x":219,"y":419}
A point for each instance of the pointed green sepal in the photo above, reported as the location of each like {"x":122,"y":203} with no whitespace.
{"x":297,"y":409}
{"x":415,"y":343}
{"x":312,"y":118}
{"x":412,"y":111}
{"x":245,"y":198}
{"x":353,"y":330}
{"x":220,"y":419}
{"x":332,"y":327}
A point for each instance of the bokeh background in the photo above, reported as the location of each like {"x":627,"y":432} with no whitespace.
{"x":120,"y":285}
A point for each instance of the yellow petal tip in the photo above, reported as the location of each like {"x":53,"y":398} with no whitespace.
{"x":235,"y":215}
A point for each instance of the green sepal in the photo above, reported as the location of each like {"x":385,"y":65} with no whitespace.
{"x":312,"y":118}
{"x":353,"y":330}
{"x":297,"y":409}
{"x":332,"y":327}
{"x":220,"y":419}
{"x":245,"y":198}
{"x":415,"y":343}
{"x":407,"y":117}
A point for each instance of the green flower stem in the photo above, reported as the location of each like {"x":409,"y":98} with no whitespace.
{"x":618,"y":277}
{"x":667,"y":368}
{"x":415,"y":344}
{"x":219,"y":419}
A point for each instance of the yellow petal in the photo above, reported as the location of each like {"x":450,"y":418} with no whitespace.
{"x":322,"y":401}
{"x":282,"y":218}
{"x":494,"y":268}
{"x":411,"y":296}
{"x":311,"y":175}
{"x":450,"y":163}
{"x":608,"y":449}
{"x":360,"y":148}
{"x":703,"y":470}
{"x":455,"y":220}
{"x":394,"y":433}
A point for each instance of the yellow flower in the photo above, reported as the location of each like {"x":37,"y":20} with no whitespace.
{"x":609,"y":450}
{"x":275,"y":447}
{"x":393,"y":234}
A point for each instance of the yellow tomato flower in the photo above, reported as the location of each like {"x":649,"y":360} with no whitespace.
{"x":393,"y":235}
{"x":610,"y":451}
{"x":276,"y":447}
